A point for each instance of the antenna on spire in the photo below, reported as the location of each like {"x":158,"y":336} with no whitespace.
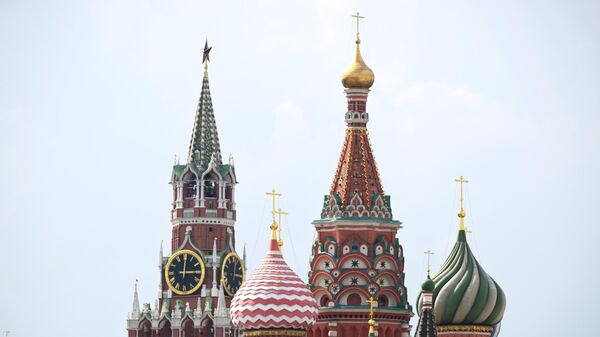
{"x":461,"y":213}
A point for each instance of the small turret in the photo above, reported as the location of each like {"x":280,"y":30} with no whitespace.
{"x":426,"y":326}
{"x":221,"y":314}
{"x":135,"y":308}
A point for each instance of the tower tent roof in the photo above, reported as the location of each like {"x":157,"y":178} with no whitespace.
{"x":205,"y":138}
{"x":356,"y":175}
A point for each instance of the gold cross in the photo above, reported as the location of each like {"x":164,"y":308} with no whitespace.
{"x":273,"y":226}
{"x":280,"y":213}
{"x":358,"y":17}
{"x":371,"y":302}
{"x":429,"y":253}
{"x":461,"y":213}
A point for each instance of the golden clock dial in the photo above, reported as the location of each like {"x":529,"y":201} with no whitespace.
{"x":184,"y":272}
{"x":232,"y":273}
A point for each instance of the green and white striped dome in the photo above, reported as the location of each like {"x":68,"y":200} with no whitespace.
{"x":464,"y":293}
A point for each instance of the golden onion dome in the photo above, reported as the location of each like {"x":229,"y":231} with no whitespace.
{"x":358,"y":75}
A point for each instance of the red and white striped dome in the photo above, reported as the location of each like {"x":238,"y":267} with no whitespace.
{"x":273,"y":297}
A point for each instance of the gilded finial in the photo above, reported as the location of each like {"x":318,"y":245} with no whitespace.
{"x":279,"y":239}
{"x":358,"y":75}
{"x":461,"y":213}
{"x":273,"y":225}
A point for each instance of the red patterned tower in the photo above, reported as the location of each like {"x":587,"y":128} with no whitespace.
{"x":203,"y":271}
{"x":356,"y":254}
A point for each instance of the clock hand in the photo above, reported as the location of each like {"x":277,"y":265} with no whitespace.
{"x":184,"y":262}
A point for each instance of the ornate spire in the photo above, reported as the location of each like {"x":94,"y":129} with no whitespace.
{"x":205,"y":138}
{"x":198,"y":310}
{"x":160,"y":255}
{"x":135,"y":308}
{"x":244,"y":258}
{"x":356,"y":190}
{"x":221,"y":312}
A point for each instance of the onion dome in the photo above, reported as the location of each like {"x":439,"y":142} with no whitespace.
{"x":464,"y":293}
{"x":273,"y":300}
{"x":428,"y":285}
{"x":358,"y":75}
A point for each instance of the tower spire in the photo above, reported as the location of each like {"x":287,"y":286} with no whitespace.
{"x":135,"y":308}
{"x":461,"y":213}
{"x":356,"y":181}
{"x":205,"y":138}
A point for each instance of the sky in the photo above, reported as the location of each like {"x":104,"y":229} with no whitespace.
{"x":97,"y":97}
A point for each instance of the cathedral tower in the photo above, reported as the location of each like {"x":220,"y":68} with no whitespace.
{"x":203,"y":271}
{"x":356,"y":256}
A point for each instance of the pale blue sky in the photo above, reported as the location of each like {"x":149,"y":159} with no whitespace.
{"x":96,"y":97}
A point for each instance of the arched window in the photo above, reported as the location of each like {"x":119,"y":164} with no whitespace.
{"x":354,"y":299}
{"x":210,"y":186}
{"x":190,"y":189}
{"x":324,"y":301}
{"x":382,"y":301}
{"x":189,"y":185}
{"x":146,"y":329}
{"x":164,"y":329}
{"x":188,"y":328}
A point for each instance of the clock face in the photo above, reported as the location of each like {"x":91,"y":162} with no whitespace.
{"x":184,"y":272}
{"x":232,"y":273}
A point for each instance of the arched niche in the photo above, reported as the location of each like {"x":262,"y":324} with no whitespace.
{"x":210,"y":183}
{"x":189,"y":185}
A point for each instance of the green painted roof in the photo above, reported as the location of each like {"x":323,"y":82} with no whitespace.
{"x":428,"y":285}
{"x":205,"y":138}
{"x":464,"y":293}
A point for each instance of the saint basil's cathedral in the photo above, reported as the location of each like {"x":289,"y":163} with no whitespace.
{"x":356,"y":279}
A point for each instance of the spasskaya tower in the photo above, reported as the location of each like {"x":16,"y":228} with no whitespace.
{"x":203,"y":271}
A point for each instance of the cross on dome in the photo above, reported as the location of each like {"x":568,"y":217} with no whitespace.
{"x":461,"y":214}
